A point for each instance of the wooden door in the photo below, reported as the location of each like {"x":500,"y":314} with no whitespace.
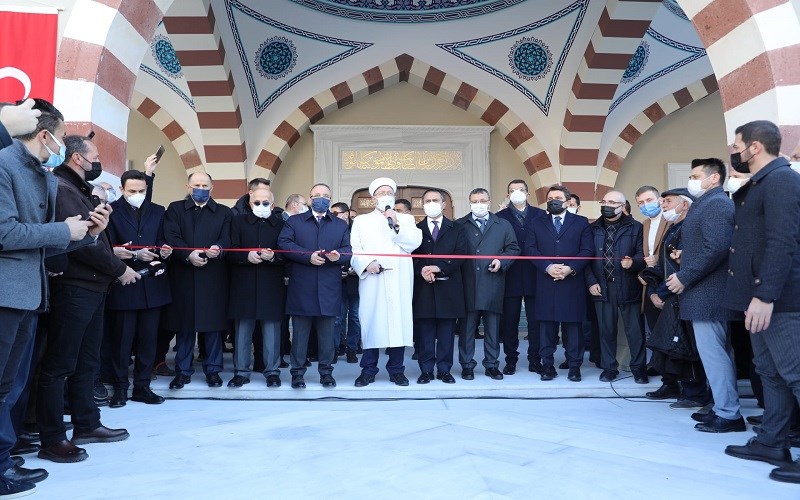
{"x":362,"y":201}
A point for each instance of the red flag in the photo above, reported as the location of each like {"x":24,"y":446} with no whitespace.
{"x":28,"y":38}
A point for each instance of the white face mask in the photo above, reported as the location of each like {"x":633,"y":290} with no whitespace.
{"x":135,"y":200}
{"x":479,"y":209}
{"x":433,"y":209}
{"x":384,"y":201}
{"x":671,"y":215}
{"x":112,"y":195}
{"x":572,"y":210}
{"x":303,"y":209}
{"x":695,"y":187}
{"x":733,"y":184}
{"x":795,"y":166}
{"x":517,"y":197}
{"x":262,"y":211}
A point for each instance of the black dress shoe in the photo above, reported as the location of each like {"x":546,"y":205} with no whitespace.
{"x":100,"y":392}
{"x":719,"y":425}
{"x":535,"y":368}
{"x":351,"y":357}
{"x":179,"y":381}
{"x":364,"y":380}
{"x":639,"y":376}
{"x":163,"y":370}
{"x":564,"y":365}
{"x":755,"y":419}
{"x":63,"y":452}
{"x":574,"y":375}
{"x":703,"y":417}
{"x":100,"y":435}
{"x":146,"y":395}
{"x":327,"y":381}
{"x":446,"y":377}
{"x":30,"y":436}
{"x":238,"y":381}
{"x":425,"y":378}
{"x":23,"y":475}
{"x":298,"y":382}
{"x":510,"y":369}
{"x":307,"y":363}
{"x":787,"y":473}
{"x":608,"y":375}
{"x":214,"y":380}
{"x":273,"y":381}
{"x":754,"y":450}
{"x":398,"y":379}
{"x":548,"y":373}
{"x":283,"y":364}
{"x":18,"y":461}
{"x":468,"y":374}
{"x":119,"y":399}
{"x":494,"y":374}
{"x":24,"y":448}
{"x":666,"y":391}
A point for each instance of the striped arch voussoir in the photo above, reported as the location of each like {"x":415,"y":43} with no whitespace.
{"x":170,"y":127}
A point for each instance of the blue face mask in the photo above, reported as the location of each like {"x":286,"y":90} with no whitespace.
{"x":651,"y":209}
{"x":55,"y":159}
{"x":200,"y":195}
{"x":320,"y":205}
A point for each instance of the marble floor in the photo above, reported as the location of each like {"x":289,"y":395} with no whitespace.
{"x":436,"y":448}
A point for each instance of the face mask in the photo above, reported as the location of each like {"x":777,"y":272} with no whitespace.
{"x":135,"y":200}
{"x":94,"y":173}
{"x":733,"y":184}
{"x":695,"y":187}
{"x":320,"y":205}
{"x":384,"y":201}
{"x":200,"y":195}
{"x":517,"y":197}
{"x":795,"y":166}
{"x":739,"y":165}
{"x":433,"y":209}
{"x":610,"y":212}
{"x":479,"y":209}
{"x":262,"y":211}
{"x":572,"y":210}
{"x":112,"y":195}
{"x":55,"y":159}
{"x":671,"y":215}
{"x":650,"y":210}
{"x":303,"y":209}
{"x":555,"y":207}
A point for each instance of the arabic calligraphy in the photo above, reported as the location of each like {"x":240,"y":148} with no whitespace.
{"x":402,"y":160}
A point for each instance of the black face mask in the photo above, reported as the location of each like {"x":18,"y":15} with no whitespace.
{"x":555,"y":207}
{"x":740,"y":166}
{"x":608,"y":212}
{"x":94,"y":173}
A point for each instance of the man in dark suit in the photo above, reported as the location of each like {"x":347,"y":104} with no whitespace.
{"x":520,"y":279}
{"x":317,"y":244}
{"x":560,"y":282}
{"x":764,"y":282}
{"x":137,"y":222}
{"x":196,"y":278}
{"x":484,"y":282}
{"x":615,"y":287}
{"x":438,"y":289}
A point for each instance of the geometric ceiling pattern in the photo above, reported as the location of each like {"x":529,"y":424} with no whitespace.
{"x":408,"y":11}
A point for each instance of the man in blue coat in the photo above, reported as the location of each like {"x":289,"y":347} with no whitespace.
{"x":560,"y":288}
{"x":764,"y":282}
{"x":520,"y":279}
{"x":700,"y":285}
{"x":318,"y":244}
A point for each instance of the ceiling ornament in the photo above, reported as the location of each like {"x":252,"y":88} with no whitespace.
{"x":407,"y":11}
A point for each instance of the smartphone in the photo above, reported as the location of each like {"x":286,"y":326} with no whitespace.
{"x":159,"y":153}
{"x":202,"y":255}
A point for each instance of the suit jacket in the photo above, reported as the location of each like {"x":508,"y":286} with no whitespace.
{"x":28,"y":232}
{"x":484,"y":290}
{"x":198,"y":293}
{"x":314,"y":290}
{"x":627,"y":242}
{"x":256,"y":290}
{"x":706,"y":238}
{"x":442,"y":298}
{"x":148,"y":229}
{"x":662,"y":228}
{"x":562,"y":300}
{"x":521,"y":276}
{"x":764,"y":259}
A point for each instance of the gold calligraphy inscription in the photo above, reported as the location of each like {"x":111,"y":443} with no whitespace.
{"x":402,"y":160}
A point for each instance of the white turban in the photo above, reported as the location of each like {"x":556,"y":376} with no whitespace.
{"x":382,"y":181}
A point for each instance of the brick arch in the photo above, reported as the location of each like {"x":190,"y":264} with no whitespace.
{"x":641,"y":123}
{"x":405,"y":68}
{"x":754,"y":61}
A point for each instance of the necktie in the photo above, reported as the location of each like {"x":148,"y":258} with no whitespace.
{"x":319,"y":220}
{"x":557,"y":224}
{"x":435,"y":232}
{"x":482,"y":224}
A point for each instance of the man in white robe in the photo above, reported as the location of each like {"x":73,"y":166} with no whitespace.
{"x":386,"y":283}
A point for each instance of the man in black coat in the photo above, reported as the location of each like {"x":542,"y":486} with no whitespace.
{"x":137,"y":222}
{"x":615,"y":287}
{"x":257,"y":293}
{"x":764,"y":282}
{"x":520,"y":279}
{"x":438,"y":289}
{"x":197,"y":278}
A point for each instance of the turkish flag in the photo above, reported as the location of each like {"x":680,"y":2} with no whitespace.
{"x":28,"y":38}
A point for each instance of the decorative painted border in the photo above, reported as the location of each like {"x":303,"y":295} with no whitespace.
{"x":260,"y":107}
{"x":161,"y":78}
{"x":398,"y":16}
{"x":453,"y":48}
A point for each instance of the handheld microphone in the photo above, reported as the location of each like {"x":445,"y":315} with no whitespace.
{"x":391,"y":222}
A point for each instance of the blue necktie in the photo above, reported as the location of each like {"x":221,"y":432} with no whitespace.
{"x":435,"y":232}
{"x":482,"y":224}
{"x":557,"y":224}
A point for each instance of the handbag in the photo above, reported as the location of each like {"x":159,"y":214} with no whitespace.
{"x":671,"y":335}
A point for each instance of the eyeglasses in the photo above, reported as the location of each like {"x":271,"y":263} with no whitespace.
{"x":336,"y":213}
{"x":611,"y":203}
{"x":259,"y":203}
{"x":378,"y":194}
{"x":321,"y":196}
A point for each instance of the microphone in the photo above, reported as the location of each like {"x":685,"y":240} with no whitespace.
{"x":391,"y":222}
